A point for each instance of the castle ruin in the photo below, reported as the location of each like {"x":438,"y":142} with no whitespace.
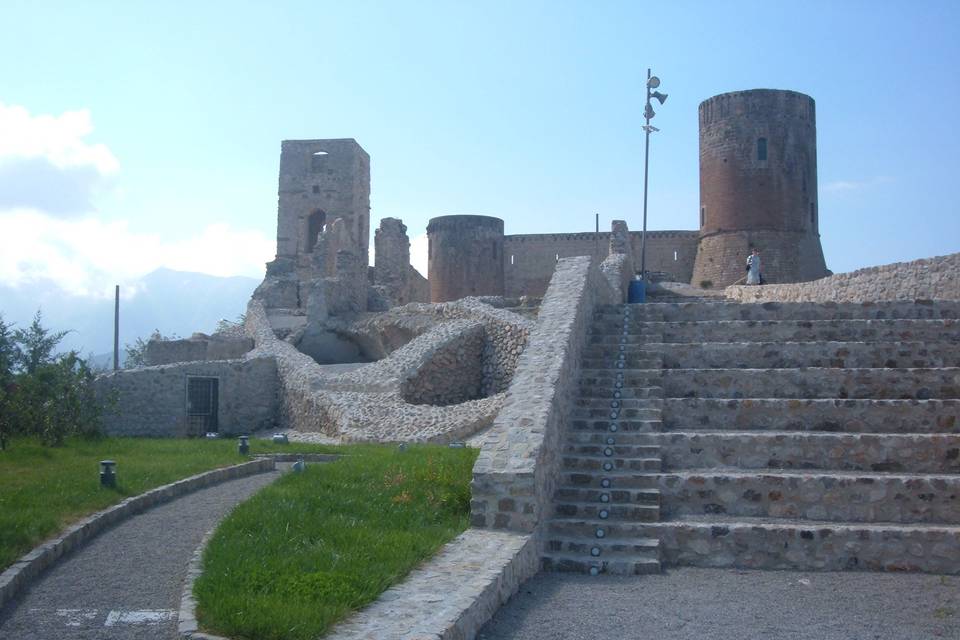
{"x":817,"y":430}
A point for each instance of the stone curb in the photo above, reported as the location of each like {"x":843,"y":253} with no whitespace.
{"x":475,"y":588}
{"x":187,"y":625}
{"x":24,"y":571}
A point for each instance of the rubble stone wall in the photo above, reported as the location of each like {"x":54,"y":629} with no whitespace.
{"x":198,"y":347}
{"x":452,"y":374}
{"x":516,"y":472}
{"x":152,"y":401}
{"x":936,"y":278}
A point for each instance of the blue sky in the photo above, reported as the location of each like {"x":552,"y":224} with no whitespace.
{"x":135,"y":135}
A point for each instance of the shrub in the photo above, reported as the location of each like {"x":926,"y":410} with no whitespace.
{"x":42,"y":393}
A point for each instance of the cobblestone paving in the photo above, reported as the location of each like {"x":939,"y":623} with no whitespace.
{"x":726,"y":604}
{"x":125,"y":584}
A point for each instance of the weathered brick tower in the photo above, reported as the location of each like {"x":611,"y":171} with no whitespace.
{"x":758,"y":187}
{"x":322,"y":181}
{"x":465,"y":257}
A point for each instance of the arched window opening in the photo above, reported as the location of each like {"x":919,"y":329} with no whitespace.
{"x":316,"y":224}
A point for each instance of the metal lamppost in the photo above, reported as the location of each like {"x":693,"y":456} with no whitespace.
{"x":652,"y":83}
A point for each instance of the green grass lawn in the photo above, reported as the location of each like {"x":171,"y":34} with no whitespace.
{"x":312,"y":547}
{"x":44,"y":489}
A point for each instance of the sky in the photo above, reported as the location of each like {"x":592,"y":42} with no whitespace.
{"x":137,"y":135}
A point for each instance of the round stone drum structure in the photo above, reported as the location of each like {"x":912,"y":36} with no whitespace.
{"x":465,"y":257}
{"x":758,"y":187}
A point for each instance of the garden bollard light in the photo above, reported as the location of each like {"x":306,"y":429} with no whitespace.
{"x":108,"y":478}
{"x":244,"y":446}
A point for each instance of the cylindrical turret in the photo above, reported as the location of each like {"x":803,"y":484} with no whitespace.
{"x":758,"y":187}
{"x":465,"y":257}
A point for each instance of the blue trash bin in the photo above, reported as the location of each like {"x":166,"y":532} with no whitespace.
{"x":637,"y":292}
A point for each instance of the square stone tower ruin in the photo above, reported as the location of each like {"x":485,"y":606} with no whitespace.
{"x":321,"y":182}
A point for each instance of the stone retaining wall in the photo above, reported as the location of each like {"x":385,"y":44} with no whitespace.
{"x":812,"y":496}
{"x":366,"y":405}
{"x":936,"y":278}
{"x":804,"y":547}
{"x":516,"y":472}
{"x":151,"y":401}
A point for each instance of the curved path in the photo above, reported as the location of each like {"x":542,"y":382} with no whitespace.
{"x":126,"y":583}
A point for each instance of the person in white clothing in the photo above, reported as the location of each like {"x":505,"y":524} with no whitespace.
{"x":753,"y":268}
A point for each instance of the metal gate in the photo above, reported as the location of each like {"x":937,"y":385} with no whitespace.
{"x":202,"y":402}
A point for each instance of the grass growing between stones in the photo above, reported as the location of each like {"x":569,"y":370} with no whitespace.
{"x":44,"y":489}
{"x":312,"y":547}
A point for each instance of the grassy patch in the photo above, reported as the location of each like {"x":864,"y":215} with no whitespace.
{"x":312,"y":547}
{"x":44,"y":489}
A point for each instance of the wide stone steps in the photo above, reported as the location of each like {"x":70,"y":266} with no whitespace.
{"x":622,"y":479}
{"x":598,"y":437}
{"x":772,"y":355}
{"x":892,"y":384}
{"x":695,"y":310}
{"x":629,"y":413}
{"x":600,"y":511}
{"x":615,"y":560}
{"x":623,"y":426}
{"x":608,"y":449}
{"x":816,"y":495}
{"x":781,"y":543}
{"x":629,"y":362}
{"x":589,"y":392}
{"x":914,"y":453}
{"x":780,"y":331}
{"x":580,"y":494}
{"x":608,"y":463}
{"x":834,"y":415}
{"x":804,"y":436}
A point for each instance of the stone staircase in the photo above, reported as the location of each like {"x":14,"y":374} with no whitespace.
{"x":805,"y":436}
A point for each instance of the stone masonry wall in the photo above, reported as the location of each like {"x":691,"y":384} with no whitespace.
{"x":196,"y":347}
{"x":936,"y":278}
{"x":453,"y":374}
{"x":366,"y":404}
{"x":529,"y":260}
{"x":516,"y":472}
{"x":151,"y":401}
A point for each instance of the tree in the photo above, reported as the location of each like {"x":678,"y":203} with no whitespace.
{"x":7,"y":354}
{"x":34,"y":346}
{"x":42,"y":393}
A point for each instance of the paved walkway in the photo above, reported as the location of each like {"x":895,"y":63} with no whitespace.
{"x":722,"y":604}
{"x":126,"y":583}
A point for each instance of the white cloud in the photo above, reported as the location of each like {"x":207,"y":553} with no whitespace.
{"x":58,"y":139}
{"x":50,"y":175}
{"x":46,"y":162}
{"x":419,"y":253}
{"x":88,"y":256}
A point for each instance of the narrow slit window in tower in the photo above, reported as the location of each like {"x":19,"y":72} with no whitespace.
{"x":511,"y":260}
{"x":674,"y":256}
{"x":703,"y":213}
{"x":761,"y":148}
{"x":813,"y":216}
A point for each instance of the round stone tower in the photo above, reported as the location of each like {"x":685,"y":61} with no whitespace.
{"x":465,"y":257}
{"x":758,"y":187}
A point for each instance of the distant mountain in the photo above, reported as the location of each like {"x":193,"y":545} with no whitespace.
{"x":175,"y":302}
